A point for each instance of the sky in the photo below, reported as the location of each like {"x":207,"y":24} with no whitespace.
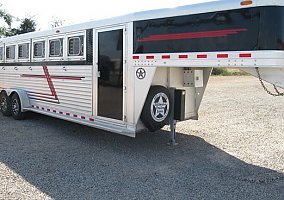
{"x":70,"y":12}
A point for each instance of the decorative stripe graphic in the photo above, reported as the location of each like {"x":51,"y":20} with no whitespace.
{"x":192,"y":35}
{"x":53,"y":77}
{"x":48,"y":97}
{"x":49,"y":81}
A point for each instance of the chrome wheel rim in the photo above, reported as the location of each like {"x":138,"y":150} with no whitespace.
{"x":15,"y":106}
{"x":3,"y":104}
{"x":160,"y":107}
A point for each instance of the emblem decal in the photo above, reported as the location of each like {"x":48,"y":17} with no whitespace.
{"x":140,"y":73}
{"x":160,"y":107}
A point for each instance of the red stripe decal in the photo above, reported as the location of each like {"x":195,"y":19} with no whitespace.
{"x":54,"y":111}
{"x":53,"y":77}
{"x":201,"y":56}
{"x":135,"y":57}
{"x":38,"y":93}
{"x":49,"y":81}
{"x":48,"y":110}
{"x":192,"y":35}
{"x":75,"y":116}
{"x":61,"y":113}
{"x":150,"y":57}
{"x":245,"y":55}
{"x":82,"y":117}
{"x":92,"y":119}
{"x":68,"y":114}
{"x":222,"y":55}
{"x":183,"y":56}
{"x":166,"y":56}
{"x":42,"y":97}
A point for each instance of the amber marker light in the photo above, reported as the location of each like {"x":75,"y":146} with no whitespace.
{"x":246,"y":2}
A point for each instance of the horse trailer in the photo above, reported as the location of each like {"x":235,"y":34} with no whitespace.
{"x":142,"y":70}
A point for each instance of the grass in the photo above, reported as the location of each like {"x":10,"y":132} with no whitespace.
{"x":228,"y":72}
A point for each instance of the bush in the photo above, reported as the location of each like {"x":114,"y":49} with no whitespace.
{"x":220,"y":72}
{"x":227,"y":72}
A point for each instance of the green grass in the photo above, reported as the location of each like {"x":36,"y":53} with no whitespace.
{"x":228,"y":72}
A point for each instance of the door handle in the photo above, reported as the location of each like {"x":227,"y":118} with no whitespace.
{"x":16,"y":68}
{"x":3,"y":68}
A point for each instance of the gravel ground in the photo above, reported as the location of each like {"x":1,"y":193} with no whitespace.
{"x":234,"y":151}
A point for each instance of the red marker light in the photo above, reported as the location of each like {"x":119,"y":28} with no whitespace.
{"x":246,"y":2}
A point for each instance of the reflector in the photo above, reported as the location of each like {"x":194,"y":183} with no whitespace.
{"x":246,"y":2}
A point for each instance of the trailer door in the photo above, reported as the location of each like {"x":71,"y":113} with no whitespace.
{"x":109,"y":55}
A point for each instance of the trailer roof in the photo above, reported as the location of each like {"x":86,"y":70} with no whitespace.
{"x":213,"y":6}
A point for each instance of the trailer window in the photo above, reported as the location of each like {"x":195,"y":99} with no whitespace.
{"x":23,"y":50}
{"x":1,"y":53}
{"x":56,"y":47}
{"x":10,"y":52}
{"x":229,"y":30}
{"x":76,"y":46}
{"x":39,"y":49}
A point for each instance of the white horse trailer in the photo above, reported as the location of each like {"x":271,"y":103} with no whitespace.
{"x":138,"y":71}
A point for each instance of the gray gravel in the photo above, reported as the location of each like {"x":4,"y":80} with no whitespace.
{"x":234,"y":151}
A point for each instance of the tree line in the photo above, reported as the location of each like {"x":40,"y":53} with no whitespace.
{"x":27,"y":24}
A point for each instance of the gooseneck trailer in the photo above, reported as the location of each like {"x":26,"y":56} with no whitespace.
{"x":141,"y":70}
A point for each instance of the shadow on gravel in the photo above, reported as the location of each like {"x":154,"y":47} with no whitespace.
{"x":70,"y":161}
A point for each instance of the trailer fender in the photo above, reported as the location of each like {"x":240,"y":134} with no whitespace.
{"x":24,"y":99}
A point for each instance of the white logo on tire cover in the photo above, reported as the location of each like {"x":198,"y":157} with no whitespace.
{"x":160,"y":107}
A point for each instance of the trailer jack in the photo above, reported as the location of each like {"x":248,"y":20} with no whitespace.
{"x":173,"y":124}
{"x":172,"y":120}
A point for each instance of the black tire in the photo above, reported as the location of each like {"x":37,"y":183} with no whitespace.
{"x":156,"y":110}
{"x":5,"y":104}
{"x":16,"y":107}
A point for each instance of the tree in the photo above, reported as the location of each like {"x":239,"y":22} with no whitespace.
{"x":8,"y":20}
{"x":6,"y":16}
{"x":27,"y":25}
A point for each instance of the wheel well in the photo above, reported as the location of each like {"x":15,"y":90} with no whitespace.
{"x":24,"y":99}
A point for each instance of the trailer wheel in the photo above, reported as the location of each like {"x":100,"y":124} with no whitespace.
{"x":5,"y":104}
{"x":155,"y":113}
{"x":16,"y":107}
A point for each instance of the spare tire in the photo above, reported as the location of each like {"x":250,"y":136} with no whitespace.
{"x":156,"y":110}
